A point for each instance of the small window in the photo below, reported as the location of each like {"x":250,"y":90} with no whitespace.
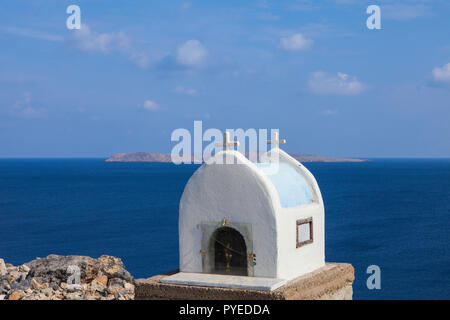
{"x":304,"y":232}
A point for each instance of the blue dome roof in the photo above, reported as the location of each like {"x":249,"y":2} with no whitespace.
{"x":292,"y":188}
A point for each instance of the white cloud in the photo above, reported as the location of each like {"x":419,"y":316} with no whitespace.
{"x":263,"y":4}
{"x":23,"y":108}
{"x":329,"y":112}
{"x":151,"y":105}
{"x":404,"y":11}
{"x":186,"y":5}
{"x":345,"y":1}
{"x":399,"y":9}
{"x":305,"y":5}
{"x":30,"y":33}
{"x":191,"y":53}
{"x":442,"y":74}
{"x":90,"y":41}
{"x":87,"y":40}
{"x":267,"y":16}
{"x":295,"y":42}
{"x":324,"y":83}
{"x":183,"y":90}
{"x":205,"y":115}
{"x":140,"y":59}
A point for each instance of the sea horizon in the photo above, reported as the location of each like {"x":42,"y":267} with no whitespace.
{"x":347,"y":157}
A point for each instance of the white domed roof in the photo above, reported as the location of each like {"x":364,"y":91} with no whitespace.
{"x":291,"y":186}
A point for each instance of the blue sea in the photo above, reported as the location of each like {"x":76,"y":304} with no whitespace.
{"x":390,"y":213}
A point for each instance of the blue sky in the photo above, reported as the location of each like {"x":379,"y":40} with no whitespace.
{"x":137,"y":70}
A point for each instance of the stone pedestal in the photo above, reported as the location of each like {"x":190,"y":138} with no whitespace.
{"x":331,"y":282}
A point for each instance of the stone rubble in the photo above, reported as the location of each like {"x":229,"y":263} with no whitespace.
{"x":55,"y":278}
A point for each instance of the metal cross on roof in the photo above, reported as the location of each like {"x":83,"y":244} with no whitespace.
{"x":226,"y":144}
{"x":275,"y":141}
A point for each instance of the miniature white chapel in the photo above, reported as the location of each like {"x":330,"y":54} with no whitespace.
{"x":250,"y":225}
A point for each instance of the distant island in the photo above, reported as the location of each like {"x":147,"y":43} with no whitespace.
{"x":165,"y":157}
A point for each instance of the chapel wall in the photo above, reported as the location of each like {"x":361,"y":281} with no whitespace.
{"x":294,"y":261}
{"x":239,"y":194}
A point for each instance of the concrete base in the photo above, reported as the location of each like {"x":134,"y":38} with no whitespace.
{"x":331,"y":282}
{"x":224,"y":281}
